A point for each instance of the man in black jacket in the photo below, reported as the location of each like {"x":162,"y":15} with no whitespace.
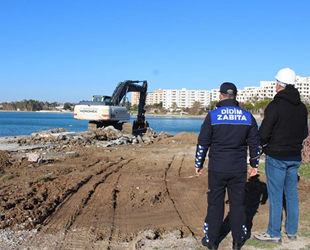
{"x":282,"y":132}
{"x":227,"y":132}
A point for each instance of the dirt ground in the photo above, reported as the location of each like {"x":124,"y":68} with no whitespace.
{"x":135,"y":196}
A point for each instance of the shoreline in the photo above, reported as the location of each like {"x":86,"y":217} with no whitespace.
{"x":257,"y":117}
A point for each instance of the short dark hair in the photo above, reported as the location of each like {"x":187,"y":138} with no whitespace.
{"x":229,"y":94}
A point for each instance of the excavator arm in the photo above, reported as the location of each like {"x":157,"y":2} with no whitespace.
{"x":131,"y":86}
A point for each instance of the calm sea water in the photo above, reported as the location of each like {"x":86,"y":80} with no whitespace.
{"x":25,"y":123}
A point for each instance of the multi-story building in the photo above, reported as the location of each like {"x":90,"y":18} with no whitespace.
{"x":135,"y":96}
{"x":155,"y":97}
{"x":267,"y":90}
{"x":303,"y":85}
{"x":185,"y":98}
{"x":215,"y":95}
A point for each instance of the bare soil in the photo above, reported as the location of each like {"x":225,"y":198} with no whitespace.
{"x":137,"y":196}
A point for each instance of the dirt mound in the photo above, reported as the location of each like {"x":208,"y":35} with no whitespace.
{"x":4,"y":160}
{"x":190,"y":137}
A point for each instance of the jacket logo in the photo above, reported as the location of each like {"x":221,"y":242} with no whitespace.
{"x":231,"y":117}
{"x":231,"y":114}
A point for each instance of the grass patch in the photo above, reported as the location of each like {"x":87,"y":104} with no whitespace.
{"x":304,"y":170}
{"x":260,"y":244}
{"x":306,"y":217}
{"x":45,"y":178}
{"x":261,"y":168}
{"x":7,"y":177}
{"x":307,"y":247}
{"x":304,"y":232}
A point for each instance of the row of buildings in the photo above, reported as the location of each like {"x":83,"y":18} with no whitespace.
{"x":184,"y":98}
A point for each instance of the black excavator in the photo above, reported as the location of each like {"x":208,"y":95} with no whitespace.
{"x":103,"y":111}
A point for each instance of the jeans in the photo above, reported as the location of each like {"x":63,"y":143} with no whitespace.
{"x":282,"y":179}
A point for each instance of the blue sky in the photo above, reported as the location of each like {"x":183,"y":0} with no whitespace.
{"x":69,"y":50}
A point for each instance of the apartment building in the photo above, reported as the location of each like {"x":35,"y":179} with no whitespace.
{"x":135,"y":96}
{"x":215,"y":95}
{"x":185,"y":98}
{"x":303,"y":85}
{"x":155,"y":97}
{"x":267,"y":90}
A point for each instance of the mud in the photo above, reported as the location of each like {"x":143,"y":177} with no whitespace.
{"x":107,"y":190}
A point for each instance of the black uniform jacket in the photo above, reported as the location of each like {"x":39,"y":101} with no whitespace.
{"x":285,"y":124}
{"x":227,"y":132}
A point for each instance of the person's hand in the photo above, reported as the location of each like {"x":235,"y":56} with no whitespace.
{"x":252,"y":171}
{"x":199,"y":171}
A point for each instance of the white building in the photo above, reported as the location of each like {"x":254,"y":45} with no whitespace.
{"x":303,"y":85}
{"x":267,"y":90}
{"x":185,"y":98}
{"x":215,"y":95}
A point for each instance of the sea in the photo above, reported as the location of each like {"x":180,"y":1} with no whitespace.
{"x":26,"y":123}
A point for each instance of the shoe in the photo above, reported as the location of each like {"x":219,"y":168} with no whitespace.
{"x":267,"y":238}
{"x":208,"y":245}
{"x":237,"y":246}
{"x":290,"y":236}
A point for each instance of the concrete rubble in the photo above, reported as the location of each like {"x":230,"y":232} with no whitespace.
{"x":50,"y":144}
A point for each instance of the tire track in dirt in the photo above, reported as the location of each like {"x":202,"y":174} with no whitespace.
{"x":89,"y":228}
{"x":115,"y":192}
{"x":70,"y":218}
{"x":187,"y":192}
{"x":95,"y":223}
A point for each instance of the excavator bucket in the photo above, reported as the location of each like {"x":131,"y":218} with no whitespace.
{"x":139,"y":127}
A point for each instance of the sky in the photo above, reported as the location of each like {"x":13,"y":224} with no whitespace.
{"x":70,"y":50}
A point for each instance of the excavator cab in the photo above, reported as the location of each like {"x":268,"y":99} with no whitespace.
{"x":101,"y":98}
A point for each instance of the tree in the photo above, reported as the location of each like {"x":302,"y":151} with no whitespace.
{"x":127,"y":105}
{"x":135,"y":107}
{"x":174,"y":105}
{"x":196,"y":107}
{"x":261,"y":105}
{"x":67,"y":106}
{"x":28,"y":105}
{"x":158,"y":105}
{"x":247,"y":106}
{"x":213,"y":105}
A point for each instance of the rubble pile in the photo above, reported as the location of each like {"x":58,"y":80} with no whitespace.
{"x":108,"y":136}
{"x":51,"y":144}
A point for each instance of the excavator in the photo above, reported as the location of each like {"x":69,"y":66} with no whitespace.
{"x":103,"y":111}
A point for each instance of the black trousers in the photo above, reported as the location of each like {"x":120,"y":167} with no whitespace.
{"x":235,"y":185}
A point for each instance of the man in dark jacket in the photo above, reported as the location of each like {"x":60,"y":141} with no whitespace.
{"x":227,"y":132}
{"x":282,"y":132}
